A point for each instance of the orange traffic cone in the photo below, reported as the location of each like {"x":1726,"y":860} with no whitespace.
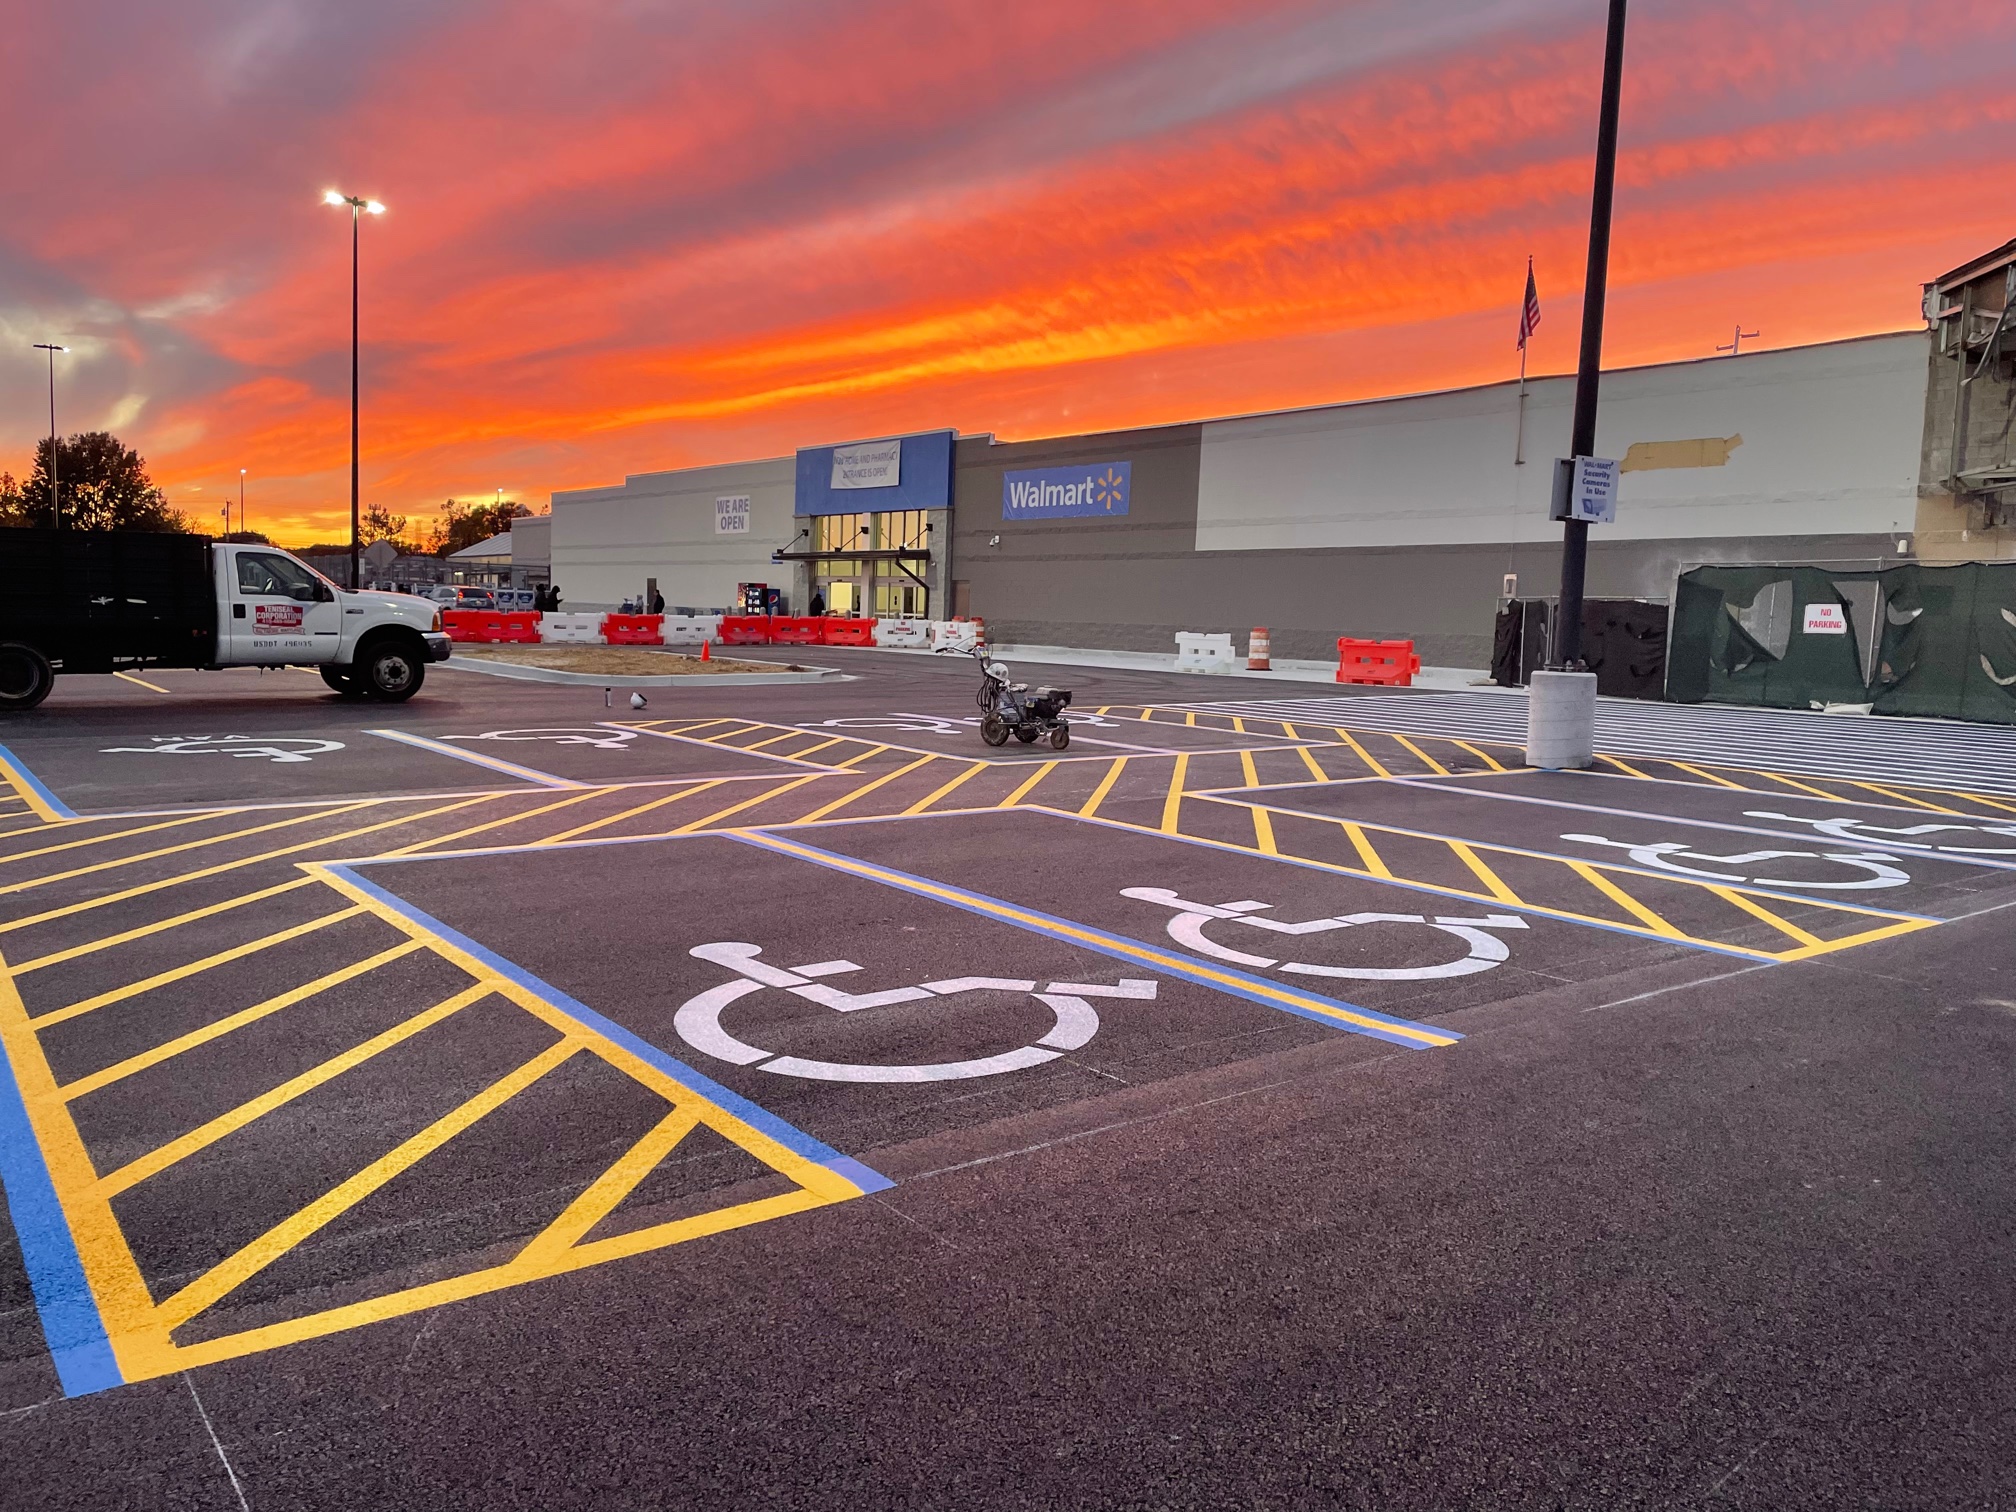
{"x":703,"y":650}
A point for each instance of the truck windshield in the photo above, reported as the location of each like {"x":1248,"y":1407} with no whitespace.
{"x":262,"y":572}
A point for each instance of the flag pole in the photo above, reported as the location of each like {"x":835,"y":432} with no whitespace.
{"x":1519,"y":449}
{"x":1528,"y":318}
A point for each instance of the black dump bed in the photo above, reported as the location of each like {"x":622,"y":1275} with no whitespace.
{"x":93,"y":600}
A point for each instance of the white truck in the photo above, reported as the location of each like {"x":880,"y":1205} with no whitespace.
{"x":106,"y":601}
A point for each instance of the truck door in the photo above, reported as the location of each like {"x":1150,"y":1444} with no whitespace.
{"x":280,"y":611}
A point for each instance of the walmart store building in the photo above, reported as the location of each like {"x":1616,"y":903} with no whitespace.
{"x":1389,"y":518}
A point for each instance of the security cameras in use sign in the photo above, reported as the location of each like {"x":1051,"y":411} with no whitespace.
{"x":1586,"y":490}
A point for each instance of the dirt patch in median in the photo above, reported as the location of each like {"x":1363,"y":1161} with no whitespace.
{"x":619,"y":661}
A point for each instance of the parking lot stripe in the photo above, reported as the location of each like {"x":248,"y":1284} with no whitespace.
{"x":194,"y":968}
{"x":797,"y":759}
{"x":1105,"y":786}
{"x":491,"y":824}
{"x":1440,"y":770}
{"x":155,"y":1161}
{"x":610,"y":1188}
{"x":1191,"y":968}
{"x":229,"y":1274}
{"x":1623,"y":766}
{"x":145,"y":829}
{"x":1482,"y":755}
{"x":1804,"y":787}
{"x":1624,"y":900}
{"x":873,"y":750}
{"x":92,"y":947}
{"x":175,"y":850}
{"x":1363,"y":755}
{"x":1263,"y":832}
{"x":1309,"y":760}
{"x":748,"y":803}
{"x":1028,"y":785}
{"x":1373,"y":864}
{"x":1172,"y":806}
{"x":1493,"y":883}
{"x":218,"y":1028}
{"x":41,"y":802}
{"x":477,"y":758}
{"x":1707,"y":776}
{"x":1246,"y":771}
{"x":1906,"y":798}
{"x":632,"y":813}
{"x":1752,"y":906}
{"x":140,"y":682}
{"x":868,"y":787}
{"x":924,"y":803}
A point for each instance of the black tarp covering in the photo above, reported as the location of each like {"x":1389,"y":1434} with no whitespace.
{"x":1623,"y":643}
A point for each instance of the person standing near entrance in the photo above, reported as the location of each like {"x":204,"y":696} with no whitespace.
{"x":818,"y":603}
{"x":657,"y":603}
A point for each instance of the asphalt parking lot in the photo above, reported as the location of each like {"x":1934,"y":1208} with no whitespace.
{"x":773,"y":1096}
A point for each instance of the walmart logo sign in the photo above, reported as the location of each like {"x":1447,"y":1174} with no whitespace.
{"x":1098,"y":488}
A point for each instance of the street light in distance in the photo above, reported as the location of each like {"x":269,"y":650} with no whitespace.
{"x":366,"y":207}
{"x":55,"y":496}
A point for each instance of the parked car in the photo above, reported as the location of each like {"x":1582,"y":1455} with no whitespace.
{"x":464,"y":598}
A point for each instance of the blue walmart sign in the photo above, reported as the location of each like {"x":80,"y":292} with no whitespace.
{"x":1057,"y":493}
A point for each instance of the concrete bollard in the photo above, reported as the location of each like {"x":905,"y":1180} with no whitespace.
{"x":1561,"y":720}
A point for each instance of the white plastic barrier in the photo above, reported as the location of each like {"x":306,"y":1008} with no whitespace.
{"x":691,"y":629}
{"x":954,"y":635}
{"x":908,"y":633}
{"x":1199,"y":652}
{"x":571,"y":629}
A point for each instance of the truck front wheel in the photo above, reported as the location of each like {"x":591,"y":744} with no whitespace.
{"x":392,"y":670}
{"x":343,"y":680}
{"x":25,"y":676}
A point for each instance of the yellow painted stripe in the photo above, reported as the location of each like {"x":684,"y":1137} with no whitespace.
{"x":1145,"y":714}
{"x":632,"y":813}
{"x":1023,"y":791}
{"x":1707,"y":776}
{"x":1105,"y":786}
{"x":773,"y":740}
{"x":154,"y":1162}
{"x":218,"y":1028}
{"x":159,"y":926}
{"x":1363,"y":755}
{"x":1623,"y":766}
{"x":1440,"y":770}
{"x":1493,"y":883}
{"x":1238,"y":725}
{"x":140,"y":682}
{"x":17,"y":778}
{"x":1936,"y":808}
{"x":747,"y":803}
{"x":1758,"y":910}
{"x":1623,"y":899}
{"x":1805,"y":787}
{"x":610,"y":1188}
{"x":194,"y":968}
{"x":1869,"y":937}
{"x":1263,"y":832}
{"x":225,"y":1277}
{"x":1309,"y":760}
{"x":488,"y":825}
{"x":1172,"y":806}
{"x":866,"y":788}
{"x":1190,"y":719}
{"x":801,"y":755}
{"x":1252,"y":987}
{"x":2009,"y":808}
{"x":873,"y":750}
{"x":924,"y":803}
{"x":1482,"y":755}
{"x":1366,"y":854}
{"x":67,"y":845}
{"x":1246,"y":770}
{"x":176,"y":850}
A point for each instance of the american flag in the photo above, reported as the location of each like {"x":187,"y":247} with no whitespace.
{"x":1529,"y":315}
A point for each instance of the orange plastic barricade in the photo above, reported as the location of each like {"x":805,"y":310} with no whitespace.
{"x":517,"y":627}
{"x":634,"y":629}
{"x":745,"y":629}
{"x":847,"y":632}
{"x":797,"y":630}
{"x":1385,"y":664}
{"x":462,"y":624}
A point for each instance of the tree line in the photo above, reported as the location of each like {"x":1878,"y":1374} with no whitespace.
{"x":103,"y":485}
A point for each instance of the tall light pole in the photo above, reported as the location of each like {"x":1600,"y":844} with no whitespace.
{"x":241,"y":501}
{"x":1561,"y":701}
{"x":370,"y":207}
{"x":55,"y":496}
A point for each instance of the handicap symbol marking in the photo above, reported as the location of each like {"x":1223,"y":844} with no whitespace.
{"x":698,"y":1020}
{"x":272,"y":748}
{"x":1187,"y":928}
{"x":601,"y":739}
{"x":1666,"y":855}
{"x":1852,"y":830}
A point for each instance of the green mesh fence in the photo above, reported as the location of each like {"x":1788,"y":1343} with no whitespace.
{"x":1906,"y":640}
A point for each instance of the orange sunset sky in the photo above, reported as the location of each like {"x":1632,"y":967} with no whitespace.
{"x":630,"y":235}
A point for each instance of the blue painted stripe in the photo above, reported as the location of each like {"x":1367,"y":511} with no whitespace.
{"x":787,"y":1135}
{"x":1212,"y":974}
{"x":478,"y":758}
{"x":70,"y":1319}
{"x":18,"y":770}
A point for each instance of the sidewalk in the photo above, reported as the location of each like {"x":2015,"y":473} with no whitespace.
{"x":1443,"y":679}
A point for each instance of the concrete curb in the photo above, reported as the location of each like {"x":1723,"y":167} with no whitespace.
{"x":514,"y":672}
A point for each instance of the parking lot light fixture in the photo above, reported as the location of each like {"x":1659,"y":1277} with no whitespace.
{"x":372,"y":207}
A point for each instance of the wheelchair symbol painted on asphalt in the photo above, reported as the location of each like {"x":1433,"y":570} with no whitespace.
{"x":1666,"y":855}
{"x":271,"y":748}
{"x":698,"y":1020}
{"x":1187,"y":928}
{"x":602,"y":739}
{"x":1852,"y":830}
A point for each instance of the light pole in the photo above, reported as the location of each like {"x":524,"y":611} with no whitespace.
{"x":371,"y":207}
{"x":55,"y":497}
{"x":241,"y":501}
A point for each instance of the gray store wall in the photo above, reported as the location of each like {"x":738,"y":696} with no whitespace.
{"x":1130,"y":584}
